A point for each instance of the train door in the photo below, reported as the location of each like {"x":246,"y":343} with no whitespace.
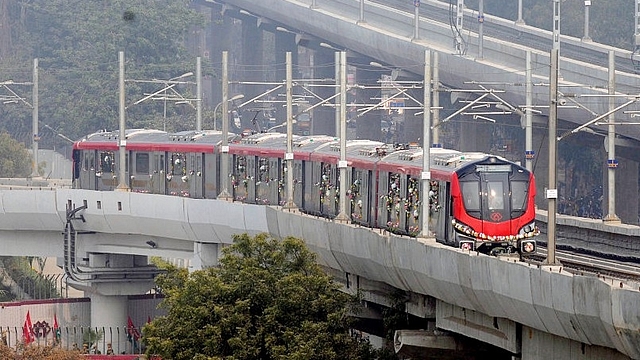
{"x":401,"y":210}
{"x":413,"y":206}
{"x":252,"y":172}
{"x":239,"y":178}
{"x":176,"y":174}
{"x":89,"y":174}
{"x":441,"y":211}
{"x":209,"y":170}
{"x":313,"y":191}
{"x":141,"y":181}
{"x":328,"y":184}
{"x":357,"y":205}
{"x":277,"y":178}
{"x":194,"y":175}
{"x":156,"y":174}
{"x":262,"y":181}
{"x":106,"y":176}
{"x":163,"y":169}
{"x":298,"y":175}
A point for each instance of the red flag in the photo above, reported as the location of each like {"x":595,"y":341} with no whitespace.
{"x":56,"y":328}
{"x":132,"y":331}
{"x":27,"y":330}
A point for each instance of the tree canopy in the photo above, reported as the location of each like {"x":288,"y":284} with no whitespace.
{"x":268,"y":299}
{"x":15,"y":160}
{"x":76,"y":43}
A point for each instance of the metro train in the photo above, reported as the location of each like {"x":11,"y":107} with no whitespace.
{"x":479,"y":202}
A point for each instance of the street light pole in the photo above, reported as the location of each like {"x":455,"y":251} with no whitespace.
{"x":215,"y":110}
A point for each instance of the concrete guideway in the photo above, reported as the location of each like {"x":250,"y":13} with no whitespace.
{"x":386,"y":35}
{"x":584,"y":309}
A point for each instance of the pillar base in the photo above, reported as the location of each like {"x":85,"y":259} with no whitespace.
{"x":224,"y":195}
{"x":612,"y":219}
{"x":342,"y":217}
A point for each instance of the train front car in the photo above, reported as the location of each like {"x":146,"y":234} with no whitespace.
{"x":493,"y":206}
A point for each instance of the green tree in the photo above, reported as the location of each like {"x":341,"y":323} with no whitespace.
{"x":15,"y":160}
{"x":267,"y":300}
{"x":77,"y":44}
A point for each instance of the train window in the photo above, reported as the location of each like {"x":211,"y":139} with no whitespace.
{"x":518,"y":195}
{"x":107,"y":161}
{"x":142,"y":163}
{"x":178,"y":164}
{"x":495,"y":195}
{"x":471,"y":195}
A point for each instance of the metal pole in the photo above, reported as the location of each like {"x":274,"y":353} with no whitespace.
{"x":342,"y":164}
{"x":361,"y":12}
{"x":34,"y":119}
{"x":520,"y":20}
{"x":289,"y":155}
{"x":426,"y":153}
{"x":313,"y":4}
{"x":481,"y":29}
{"x":556,"y":25}
{"x":528,"y":128}
{"x":552,"y":192}
{"x":587,"y":4}
{"x":416,"y":19}
{"x":224,"y":148}
{"x":611,"y":144}
{"x":199,"y":91}
{"x":436,"y":100}
{"x":337,"y":99}
{"x":122,"y":141}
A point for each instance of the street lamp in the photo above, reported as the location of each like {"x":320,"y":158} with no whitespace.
{"x":215,"y":110}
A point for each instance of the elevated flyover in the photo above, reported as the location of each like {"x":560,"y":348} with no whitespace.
{"x":384,"y":30}
{"x":534,"y":311}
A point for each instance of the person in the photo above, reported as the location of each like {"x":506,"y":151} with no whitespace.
{"x":95,"y":350}
{"x":110,"y":349}
{"x":85,"y":348}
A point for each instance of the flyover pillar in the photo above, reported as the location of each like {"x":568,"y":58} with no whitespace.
{"x":284,"y":42}
{"x":205,"y":255}
{"x":324,"y":117}
{"x":368,"y":125}
{"x":253,"y":69}
{"x":110,"y":312}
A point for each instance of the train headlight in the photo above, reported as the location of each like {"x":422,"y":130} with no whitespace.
{"x":527,"y":247}
{"x":528,"y":230}
{"x":467,"y":245}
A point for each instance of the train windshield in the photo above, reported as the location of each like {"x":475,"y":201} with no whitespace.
{"x":494,"y":196}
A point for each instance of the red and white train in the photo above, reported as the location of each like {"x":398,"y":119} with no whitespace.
{"x":476,"y":201}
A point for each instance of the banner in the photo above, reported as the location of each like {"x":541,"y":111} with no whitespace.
{"x":56,"y":329}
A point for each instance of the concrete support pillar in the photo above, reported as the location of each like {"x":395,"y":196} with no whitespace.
{"x":220,"y":24}
{"x":324,"y":122}
{"x":410,"y":129}
{"x":626,"y":190}
{"x":252,"y":64}
{"x":475,"y":135}
{"x":110,"y":312}
{"x":284,"y":42}
{"x":368,"y":125}
{"x":205,"y":255}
